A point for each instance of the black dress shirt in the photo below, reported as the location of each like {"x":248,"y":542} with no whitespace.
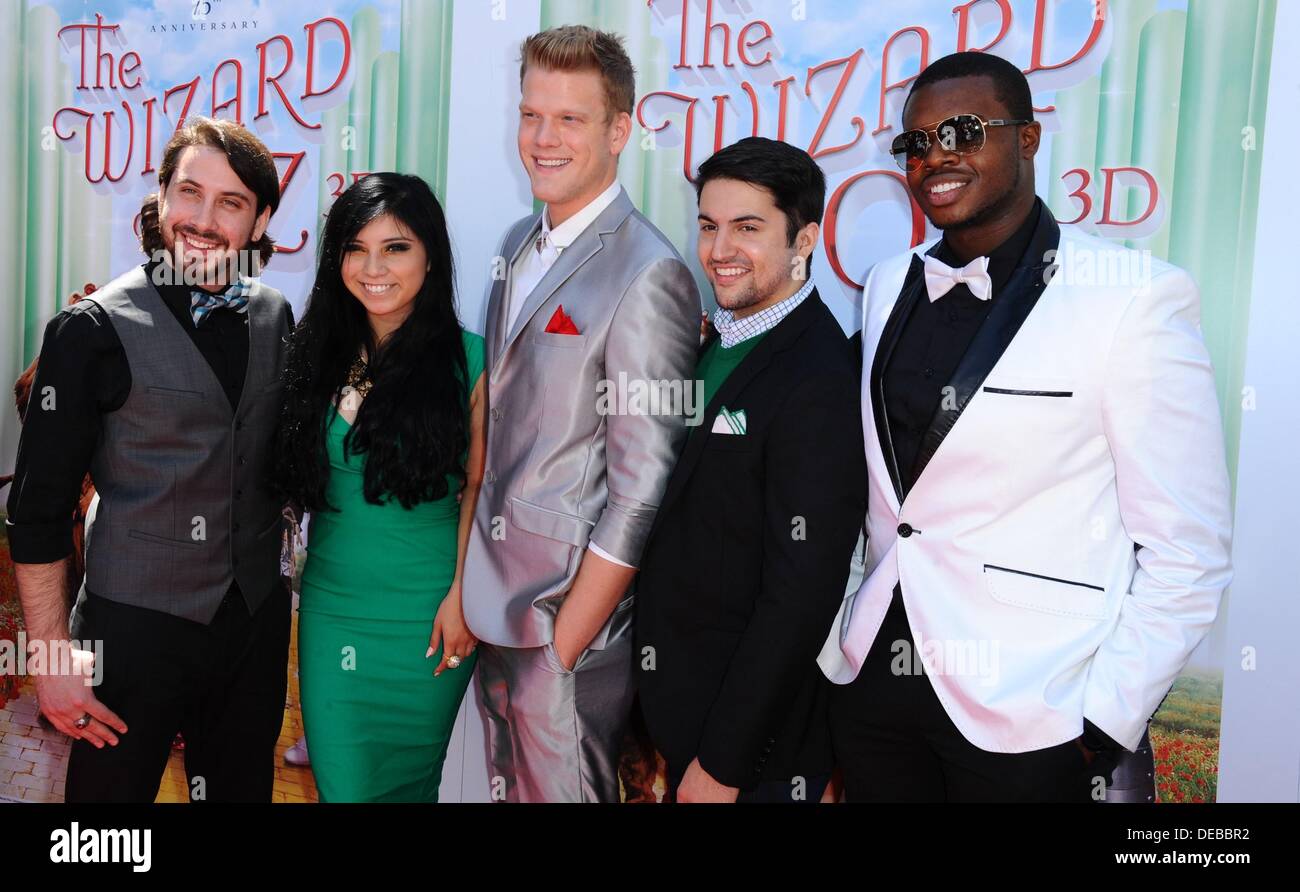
{"x":932,"y":343}
{"x":83,"y":361}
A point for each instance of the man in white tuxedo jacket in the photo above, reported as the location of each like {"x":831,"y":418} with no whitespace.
{"x":1048,"y":509}
{"x":593,"y":296}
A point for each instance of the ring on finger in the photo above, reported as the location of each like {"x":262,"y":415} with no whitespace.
{"x":453,"y":662}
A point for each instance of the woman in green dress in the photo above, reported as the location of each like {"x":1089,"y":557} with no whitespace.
{"x":381,"y":440}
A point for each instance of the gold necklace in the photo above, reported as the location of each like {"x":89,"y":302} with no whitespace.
{"x":359,"y":377}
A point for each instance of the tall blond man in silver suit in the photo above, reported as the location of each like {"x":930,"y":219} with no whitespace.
{"x":593,"y":295}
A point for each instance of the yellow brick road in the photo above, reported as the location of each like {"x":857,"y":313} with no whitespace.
{"x":34,"y":761}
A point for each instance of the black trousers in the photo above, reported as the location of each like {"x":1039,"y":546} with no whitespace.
{"x":222,"y":686}
{"x":894,"y":742}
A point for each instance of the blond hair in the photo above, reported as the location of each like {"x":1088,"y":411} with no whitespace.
{"x":580,"y":48}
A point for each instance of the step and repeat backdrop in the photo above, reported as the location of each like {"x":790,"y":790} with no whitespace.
{"x":1163,"y":125}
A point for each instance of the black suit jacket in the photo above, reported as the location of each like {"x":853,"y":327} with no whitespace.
{"x":747,"y":562}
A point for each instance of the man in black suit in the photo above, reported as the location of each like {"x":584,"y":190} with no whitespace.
{"x":750,"y":554}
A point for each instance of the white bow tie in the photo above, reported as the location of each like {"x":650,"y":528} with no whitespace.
{"x":940,"y":278}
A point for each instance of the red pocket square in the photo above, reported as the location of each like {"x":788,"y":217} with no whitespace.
{"x":561,"y":324}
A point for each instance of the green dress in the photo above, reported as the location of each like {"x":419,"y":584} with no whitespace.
{"x":377,"y":721}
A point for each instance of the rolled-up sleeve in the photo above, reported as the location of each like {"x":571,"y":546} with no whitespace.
{"x":81,"y":374}
{"x":652,"y":340}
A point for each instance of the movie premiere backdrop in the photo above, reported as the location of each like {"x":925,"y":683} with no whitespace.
{"x":1155,"y":116}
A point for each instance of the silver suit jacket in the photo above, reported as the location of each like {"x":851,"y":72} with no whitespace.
{"x":564,"y":467}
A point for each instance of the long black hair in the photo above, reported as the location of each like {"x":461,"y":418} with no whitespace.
{"x":412,"y":425}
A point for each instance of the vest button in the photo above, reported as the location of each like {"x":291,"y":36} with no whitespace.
{"x":241,"y":460}
{"x":496,"y":414}
{"x":904,"y":530}
{"x":490,"y":477}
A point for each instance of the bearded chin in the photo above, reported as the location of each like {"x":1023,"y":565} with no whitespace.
{"x":200,"y":269}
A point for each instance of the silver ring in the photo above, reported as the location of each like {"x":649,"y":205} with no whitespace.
{"x":82,"y":722}
{"x":453,"y":662}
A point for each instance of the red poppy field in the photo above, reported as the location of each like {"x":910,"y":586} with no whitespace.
{"x":1185,"y":734}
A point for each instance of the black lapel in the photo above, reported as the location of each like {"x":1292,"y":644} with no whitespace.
{"x":776,"y":340}
{"x":1008,"y":313}
{"x":913,"y":290}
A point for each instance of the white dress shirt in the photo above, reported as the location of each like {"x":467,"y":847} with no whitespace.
{"x":733,"y":331}
{"x":532,"y":265}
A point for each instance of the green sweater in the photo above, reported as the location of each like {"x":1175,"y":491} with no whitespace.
{"x":718,"y":362}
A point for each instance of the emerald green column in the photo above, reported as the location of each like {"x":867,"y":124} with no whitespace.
{"x":1225,"y":74}
{"x":1248,"y":219}
{"x":1117,"y":93}
{"x":366,"y":35}
{"x":383,"y":112}
{"x":1155,"y":117}
{"x":333,"y":160}
{"x":87,"y":227}
{"x":41,"y":227}
{"x":1118,"y":87}
{"x":347,"y":140}
{"x":13,"y":209}
{"x":1076,"y":109}
{"x":424,"y":92}
{"x":580,"y":12}
{"x":652,"y":177}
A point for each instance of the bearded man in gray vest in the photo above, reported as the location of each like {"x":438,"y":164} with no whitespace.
{"x":165,"y":385}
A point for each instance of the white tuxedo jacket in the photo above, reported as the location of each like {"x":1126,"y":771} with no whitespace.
{"x":1067,"y":543}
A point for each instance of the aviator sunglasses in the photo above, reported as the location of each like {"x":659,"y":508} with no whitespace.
{"x":963,"y":134}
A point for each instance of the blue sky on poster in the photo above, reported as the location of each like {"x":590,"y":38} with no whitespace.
{"x":170,"y":58}
{"x":829,"y":30}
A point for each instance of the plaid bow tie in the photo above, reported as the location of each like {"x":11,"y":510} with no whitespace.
{"x":235,"y":297}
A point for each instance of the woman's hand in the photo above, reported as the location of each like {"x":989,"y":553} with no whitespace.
{"x":450,"y":630}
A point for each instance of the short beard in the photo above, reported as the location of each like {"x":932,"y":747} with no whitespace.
{"x":756,"y":294}
{"x":245,"y":262}
{"x":990,"y":211}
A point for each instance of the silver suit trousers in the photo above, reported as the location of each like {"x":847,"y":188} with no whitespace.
{"x":554,"y":735}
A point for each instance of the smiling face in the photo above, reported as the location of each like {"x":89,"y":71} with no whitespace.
{"x":384,"y":267}
{"x":965,"y":191}
{"x":568,"y":141}
{"x":744,"y":246}
{"x":207,"y":215}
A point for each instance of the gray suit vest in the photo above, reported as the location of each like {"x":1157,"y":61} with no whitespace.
{"x":182,"y":510}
